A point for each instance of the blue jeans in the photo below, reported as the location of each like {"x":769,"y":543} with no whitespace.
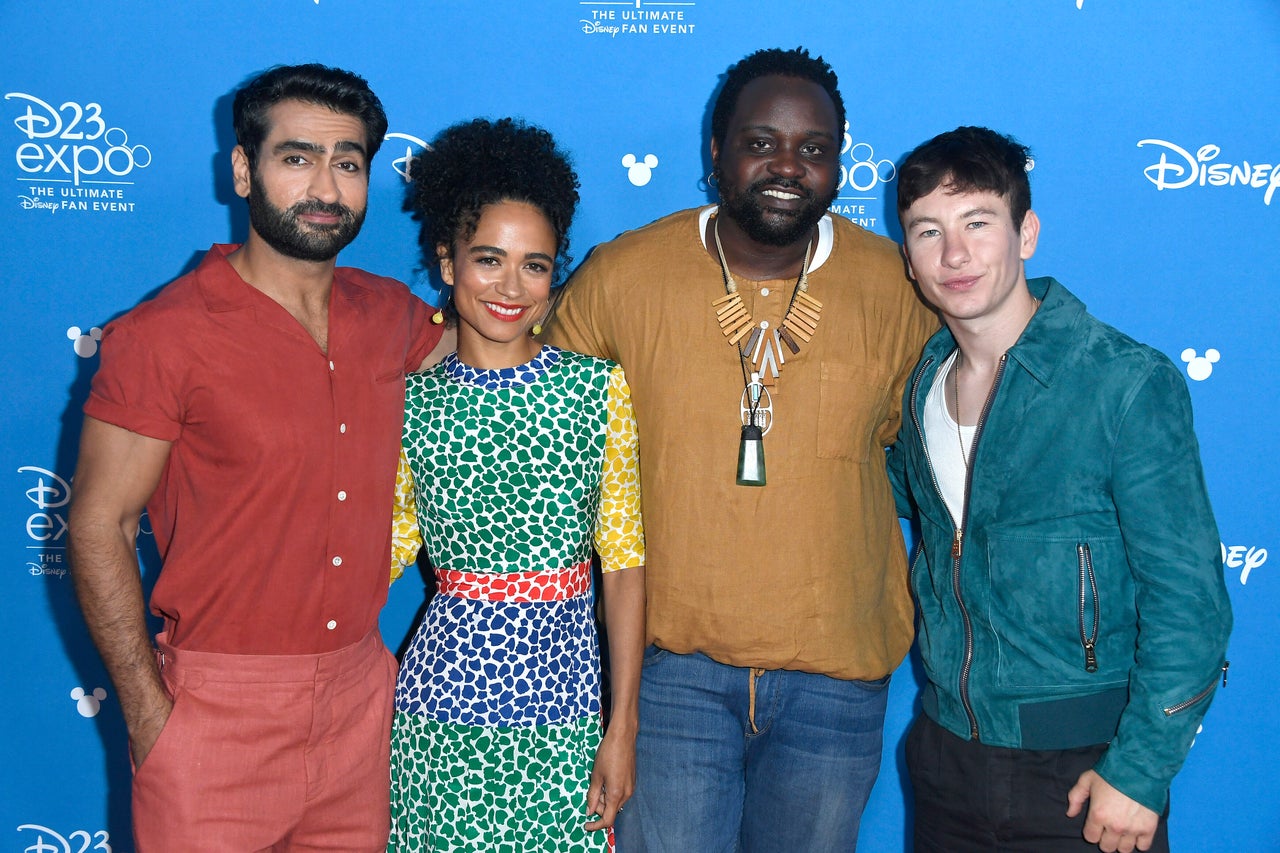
{"x":712,"y":779}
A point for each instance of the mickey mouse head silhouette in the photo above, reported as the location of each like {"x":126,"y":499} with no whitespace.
{"x":640,"y":172}
{"x":85,"y":344}
{"x":88,"y":704}
{"x":1200,"y":366}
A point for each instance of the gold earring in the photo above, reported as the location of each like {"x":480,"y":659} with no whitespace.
{"x":536,"y":330}
{"x":437,"y":318}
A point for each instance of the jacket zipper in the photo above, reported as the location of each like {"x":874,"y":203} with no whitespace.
{"x":1088,"y":587}
{"x":1182,"y":706}
{"x":957,"y":541}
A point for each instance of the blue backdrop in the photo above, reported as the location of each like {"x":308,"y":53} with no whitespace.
{"x":1157,"y":179}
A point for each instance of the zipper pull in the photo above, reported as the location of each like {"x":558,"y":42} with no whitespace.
{"x":1226,"y":664}
{"x":1090,"y":659}
{"x":957,"y":544}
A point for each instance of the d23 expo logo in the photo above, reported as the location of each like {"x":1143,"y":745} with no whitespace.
{"x":46,"y":526}
{"x":71,"y":159}
{"x":861,"y":172}
{"x":42,"y":839}
{"x":403,"y":163}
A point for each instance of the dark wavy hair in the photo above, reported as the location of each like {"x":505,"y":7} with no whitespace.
{"x":339,"y":90}
{"x":481,"y":162}
{"x":764,"y":63}
{"x":964,"y":160}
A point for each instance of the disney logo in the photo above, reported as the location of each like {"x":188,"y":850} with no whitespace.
{"x":29,"y":203}
{"x":1199,"y":169}
{"x":36,"y":570}
{"x":1242,"y":558}
{"x":590,"y":27}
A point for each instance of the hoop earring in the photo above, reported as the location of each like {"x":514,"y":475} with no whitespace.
{"x":713,"y":178}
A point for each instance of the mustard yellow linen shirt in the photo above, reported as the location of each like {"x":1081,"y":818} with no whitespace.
{"x":809,"y":572}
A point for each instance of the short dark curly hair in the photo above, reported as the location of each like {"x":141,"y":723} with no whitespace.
{"x":481,"y":162}
{"x":335,"y":88}
{"x":968,"y":159}
{"x":765,"y":63}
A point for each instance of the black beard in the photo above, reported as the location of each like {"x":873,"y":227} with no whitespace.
{"x":282,"y":231}
{"x":771,"y":228}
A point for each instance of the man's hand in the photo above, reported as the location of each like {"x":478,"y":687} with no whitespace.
{"x":1114,"y":822}
{"x":147,"y":731}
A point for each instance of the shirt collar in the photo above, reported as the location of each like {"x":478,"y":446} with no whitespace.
{"x":224,"y":290}
{"x":826,"y":236}
{"x":1040,"y":348}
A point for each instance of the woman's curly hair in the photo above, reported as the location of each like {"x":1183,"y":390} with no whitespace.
{"x":480,"y":162}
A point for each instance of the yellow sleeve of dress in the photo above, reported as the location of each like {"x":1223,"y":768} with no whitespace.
{"x":406,"y":537}
{"x":619,"y":534}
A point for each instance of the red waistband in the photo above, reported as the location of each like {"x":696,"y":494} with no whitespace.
{"x":551,"y":585}
{"x":217,"y":666}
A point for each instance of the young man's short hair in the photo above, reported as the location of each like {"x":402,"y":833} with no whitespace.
{"x":968,"y":159}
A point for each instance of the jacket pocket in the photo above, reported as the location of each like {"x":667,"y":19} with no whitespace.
{"x":1204,"y":694}
{"x":852,"y":402}
{"x":1090,"y":614}
{"x":1061,"y":609}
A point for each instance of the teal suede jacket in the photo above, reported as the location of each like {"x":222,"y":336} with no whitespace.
{"x":1084,"y":600}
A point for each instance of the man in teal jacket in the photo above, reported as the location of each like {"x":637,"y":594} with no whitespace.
{"x":1073,"y":615}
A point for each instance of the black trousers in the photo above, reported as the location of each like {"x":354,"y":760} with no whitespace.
{"x":974,"y":797}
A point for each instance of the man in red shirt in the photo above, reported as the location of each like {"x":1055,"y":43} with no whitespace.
{"x":254,"y":408}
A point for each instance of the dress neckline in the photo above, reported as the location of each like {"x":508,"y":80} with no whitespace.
{"x":502,"y":377}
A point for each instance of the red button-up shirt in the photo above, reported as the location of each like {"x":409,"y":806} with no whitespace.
{"x":273,"y":513}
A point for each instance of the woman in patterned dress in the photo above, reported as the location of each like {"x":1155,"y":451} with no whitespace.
{"x":518,"y":459}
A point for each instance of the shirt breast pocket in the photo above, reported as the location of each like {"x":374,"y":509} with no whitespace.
{"x":852,"y":402}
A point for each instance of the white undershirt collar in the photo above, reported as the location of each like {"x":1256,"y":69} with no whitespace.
{"x":826,"y":236}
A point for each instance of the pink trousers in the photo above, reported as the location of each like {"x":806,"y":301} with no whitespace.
{"x":270,"y":753}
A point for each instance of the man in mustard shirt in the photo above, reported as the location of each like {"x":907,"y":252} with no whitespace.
{"x":775,"y":612}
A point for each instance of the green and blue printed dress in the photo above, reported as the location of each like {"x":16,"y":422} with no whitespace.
{"x":510,"y":476}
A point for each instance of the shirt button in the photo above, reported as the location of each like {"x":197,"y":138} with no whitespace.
{"x":331,"y":625}
{"x":331,"y":366}
{"x":764,"y":291}
{"x":342,"y":496}
{"x":337,"y":561}
{"x":342,"y":428}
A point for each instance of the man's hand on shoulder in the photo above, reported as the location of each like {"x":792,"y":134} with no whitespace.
{"x":1114,"y":822}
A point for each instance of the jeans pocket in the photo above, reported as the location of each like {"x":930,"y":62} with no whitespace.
{"x":876,"y":685}
{"x":652,"y":655}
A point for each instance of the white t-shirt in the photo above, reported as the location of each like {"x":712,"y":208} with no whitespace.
{"x":943,"y":439}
